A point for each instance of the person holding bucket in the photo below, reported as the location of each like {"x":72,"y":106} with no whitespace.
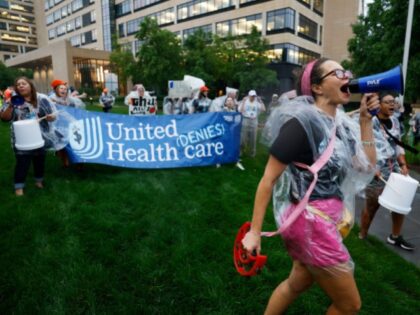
{"x":28,"y":105}
{"x":390,"y":159}
{"x":309,"y":130}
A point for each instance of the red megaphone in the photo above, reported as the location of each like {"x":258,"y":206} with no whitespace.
{"x":246,"y":264}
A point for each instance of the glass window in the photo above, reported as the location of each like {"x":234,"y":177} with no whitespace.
{"x":78,"y":22}
{"x":239,"y":26}
{"x":133,"y":26}
{"x":50,"y":19}
{"x":121,"y":32}
{"x":280,"y":20}
{"x":51,"y":33}
{"x":57,"y":15}
{"x":64,"y":11}
{"x":200,"y":7}
{"x":123,"y":8}
{"x":306,"y":2}
{"x":70,"y":26}
{"x":61,"y":29}
{"x":307,"y":28}
{"x":319,"y":6}
{"x":291,"y":53}
{"x":190,"y":31}
{"x":75,"y":41}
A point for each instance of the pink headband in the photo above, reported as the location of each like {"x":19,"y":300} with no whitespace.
{"x":305,"y":83}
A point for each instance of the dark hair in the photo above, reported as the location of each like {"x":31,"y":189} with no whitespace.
{"x":316,"y":75}
{"x":34,"y":100}
{"x":382,"y":94}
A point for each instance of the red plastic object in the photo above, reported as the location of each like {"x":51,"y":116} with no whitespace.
{"x":246,"y":264}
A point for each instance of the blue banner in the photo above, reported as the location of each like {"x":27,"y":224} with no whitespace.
{"x":166,"y":141}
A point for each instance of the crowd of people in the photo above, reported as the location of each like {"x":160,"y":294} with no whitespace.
{"x":319,"y":159}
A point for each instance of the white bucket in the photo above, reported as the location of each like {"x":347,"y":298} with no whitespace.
{"x":27,"y":135}
{"x":399,"y":193}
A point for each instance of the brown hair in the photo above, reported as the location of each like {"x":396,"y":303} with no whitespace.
{"x":34,"y":100}
{"x":315,"y":77}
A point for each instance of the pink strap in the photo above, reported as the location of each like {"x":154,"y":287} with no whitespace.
{"x":314,"y":169}
{"x":305,"y":82}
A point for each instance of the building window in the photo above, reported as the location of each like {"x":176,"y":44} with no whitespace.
{"x":306,"y":3}
{"x":133,"y":26}
{"x":205,"y":28}
{"x":121,"y":30}
{"x":50,"y":19}
{"x":138,"y":4}
{"x":291,"y":53}
{"x":280,"y":21}
{"x":320,"y":34}
{"x":123,"y":8}
{"x":307,"y":28}
{"x":57,"y":15}
{"x":61,"y":29}
{"x":200,"y":7}
{"x":75,"y":41}
{"x":319,"y":6}
{"x":4,"y":4}
{"x":76,"y":5}
{"x":164,"y":17}
{"x":51,"y":33}
{"x":70,"y":26}
{"x":239,"y":26}
{"x":78,"y":22}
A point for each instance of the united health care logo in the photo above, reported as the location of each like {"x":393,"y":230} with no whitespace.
{"x":85,"y":137}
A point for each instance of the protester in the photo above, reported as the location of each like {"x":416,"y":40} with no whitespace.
{"x":202,"y":103}
{"x":137,"y":92}
{"x":61,"y":96}
{"x":414,"y":124}
{"x":390,"y":158}
{"x":175,"y":106}
{"x":307,"y":125}
{"x":35,"y":106}
{"x":250,"y":107}
{"x":219,"y":103}
{"x":275,"y":102}
{"x":229,"y":105}
{"x":106,"y":100}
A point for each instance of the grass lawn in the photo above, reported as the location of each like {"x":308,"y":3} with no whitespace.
{"x":108,"y":240}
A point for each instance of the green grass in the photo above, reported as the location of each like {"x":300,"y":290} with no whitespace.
{"x":108,"y":240}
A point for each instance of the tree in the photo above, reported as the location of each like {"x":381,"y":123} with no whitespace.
{"x":121,"y":63}
{"x":252,"y":67}
{"x":8,"y":75}
{"x":201,"y":58}
{"x":378,"y":43}
{"x":159,"y":58}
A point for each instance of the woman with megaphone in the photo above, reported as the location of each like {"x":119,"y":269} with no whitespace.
{"x":319,"y":158}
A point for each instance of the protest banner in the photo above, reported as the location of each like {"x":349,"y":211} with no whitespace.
{"x":160,"y":141}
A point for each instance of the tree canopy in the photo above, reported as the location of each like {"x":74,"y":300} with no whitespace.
{"x":8,"y":75}
{"x":238,"y":62}
{"x":378,"y":44}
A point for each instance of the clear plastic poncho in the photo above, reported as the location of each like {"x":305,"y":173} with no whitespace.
{"x":346,"y":173}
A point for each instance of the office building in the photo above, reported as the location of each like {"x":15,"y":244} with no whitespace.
{"x":297,"y":31}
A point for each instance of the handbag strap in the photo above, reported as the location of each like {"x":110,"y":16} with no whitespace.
{"x":314,"y":169}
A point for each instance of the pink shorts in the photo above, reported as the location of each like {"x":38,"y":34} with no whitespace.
{"x":315,"y":241}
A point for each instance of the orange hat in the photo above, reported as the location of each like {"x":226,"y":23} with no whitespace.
{"x":56,"y":83}
{"x":105,"y":90}
{"x":204,"y":88}
{"x":7,"y":94}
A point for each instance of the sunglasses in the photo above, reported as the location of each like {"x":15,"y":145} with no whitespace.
{"x":389,"y":102}
{"x":339,"y":73}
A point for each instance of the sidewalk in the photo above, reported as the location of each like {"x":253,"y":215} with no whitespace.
{"x":381,"y":226}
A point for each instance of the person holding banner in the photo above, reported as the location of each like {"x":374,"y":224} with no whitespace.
{"x":300,"y":132}
{"x":28,"y":104}
{"x":62,"y":96}
{"x":202,"y":103}
{"x":391,"y":158}
{"x":251,"y":108}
